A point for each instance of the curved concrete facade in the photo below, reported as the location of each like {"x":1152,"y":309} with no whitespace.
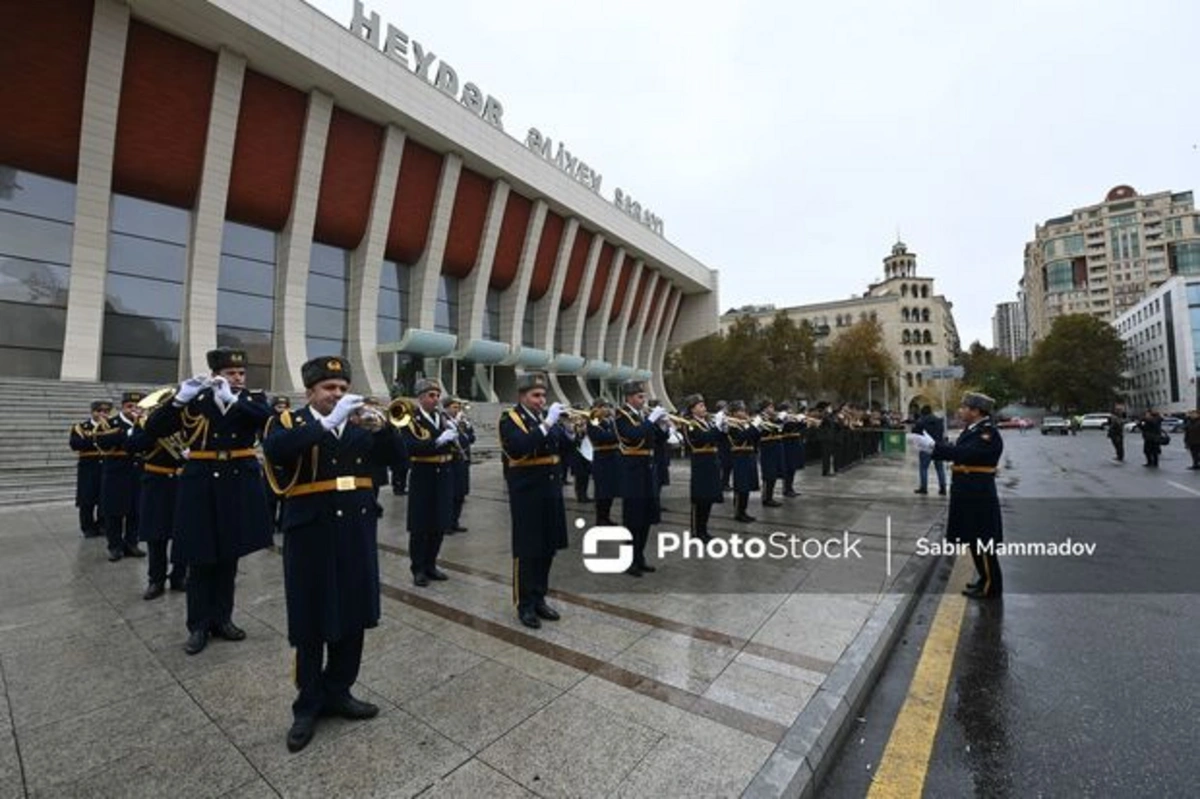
{"x":310,"y":133}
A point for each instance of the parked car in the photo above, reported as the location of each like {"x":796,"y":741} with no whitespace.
{"x":1055,"y":424}
{"x":1095,"y":421}
{"x":1015,"y":423}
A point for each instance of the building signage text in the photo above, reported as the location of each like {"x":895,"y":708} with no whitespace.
{"x":635,"y":210}
{"x":413,"y":56}
{"x":562,"y":158}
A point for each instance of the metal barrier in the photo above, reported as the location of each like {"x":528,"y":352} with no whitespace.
{"x":851,"y":445}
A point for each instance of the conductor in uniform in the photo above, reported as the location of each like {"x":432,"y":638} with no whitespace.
{"x":638,"y":435}
{"x":327,"y":452}
{"x":428,"y":439}
{"x":87,"y":472}
{"x":221,"y":513}
{"x":974,"y":515}
{"x":534,"y":443}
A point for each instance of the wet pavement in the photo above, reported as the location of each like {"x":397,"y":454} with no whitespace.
{"x":1083,"y":680}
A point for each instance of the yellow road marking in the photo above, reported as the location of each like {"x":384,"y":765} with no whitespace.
{"x":905,"y":762}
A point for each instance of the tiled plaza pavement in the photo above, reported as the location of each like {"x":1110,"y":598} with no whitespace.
{"x":709,"y":678}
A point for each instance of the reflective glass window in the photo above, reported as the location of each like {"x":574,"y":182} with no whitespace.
{"x":33,"y":282}
{"x":246,"y":276}
{"x":132,"y":335}
{"x":138,"y":296}
{"x":327,"y":260}
{"x":35,"y":238}
{"x":34,"y":195}
{"x":31,"y":326}
{"x":327,"y":292}
{"x":491,"y":318}
{"x":445,"y":316}
{"x":324,"y":346}
{"x":325,"y":323}
{"x":128,"y":369}
{"x":150,"y":220}
{"x":245,"y":241}
{"x":134,"y":255}
{"x":245,"y":311}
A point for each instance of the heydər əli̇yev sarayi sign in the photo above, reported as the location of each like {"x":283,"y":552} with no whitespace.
{"x":413,"y":56}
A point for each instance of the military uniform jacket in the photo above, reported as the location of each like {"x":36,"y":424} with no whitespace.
{"x":330,"y":554}
{"x":703,"y":440}
{"x":158,"y":494}
{"x":606,"y":458}
{"x":535,"y":500}
{"x":974,"y":505}
{"x":222,"y":511}
{"x":742,"y":443}
{"x":462,"y":459}
{"x":770,"y":451}
{"x":639,"y":476}
{"x":430,"y":475}
{"x":793,"y":444}
{"x":87,"y":472}
{"x":121,"y":470}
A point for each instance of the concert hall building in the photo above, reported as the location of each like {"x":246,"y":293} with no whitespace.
{"x":181,"y":174}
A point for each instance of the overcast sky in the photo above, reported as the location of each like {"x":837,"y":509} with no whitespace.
{"x":784,"y":143}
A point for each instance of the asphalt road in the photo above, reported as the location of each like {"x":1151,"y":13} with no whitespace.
{"x":1083,"y":680}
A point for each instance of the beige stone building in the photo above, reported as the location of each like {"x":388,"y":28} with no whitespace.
{"x":918,"y":327}
{"x":1104,"y":258}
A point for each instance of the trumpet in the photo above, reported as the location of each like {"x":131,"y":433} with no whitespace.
{"x":157,"y":397}
{"x":576,"y":415}
{"x":681,"y":421}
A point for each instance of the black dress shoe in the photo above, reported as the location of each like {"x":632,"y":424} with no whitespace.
{"x":93,"y":533}
{"x":546,"y":612}
{"x":941,"y":492}
{"x":791,"y":493}
{"x":979,"y":593}
{"x":436,"y":574}
{"x":744,"y":517}
{"x":634,"y":571}
{"x":605,"y":523}
{"x":301,"y":733}
{"x":705,"y":537}
{"x":197,"y":640}
{"x":135,"y":552}
{"x":229,"y":631}
{"x":648,"y":569}
{"x":420,"y":580}
{"x":458,"y":528}
{"x":114,"y":555}
{"x":529,"y":619}
{"x":921,"y":491}
{"x":772,"y":503}
{"x":351,"y":708}
{"x":177,"y":583}
{"x":154,"y":591}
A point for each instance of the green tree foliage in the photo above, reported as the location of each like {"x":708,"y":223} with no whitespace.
{"x":1078,"y":365}
{"x":997,"y":376}
{"x":855,"y":356}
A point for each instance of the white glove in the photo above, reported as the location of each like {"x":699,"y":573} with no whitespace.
{"x":718,"y":420}
{"x":446,"y":437}
{"x":347,"y":405}
{"x":923,"y":442}
{"x":757,"y":422}
{"x":781,"y":417}
{"x":189,"y":389}
{"x":658,"y":413}
{"x":223,"y":391}
{"x":553,"y":413}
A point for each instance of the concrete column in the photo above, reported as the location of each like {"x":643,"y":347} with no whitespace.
{"x":290,"y":350}
{"x":366,"y":266}
{"x":547,"y":317}
{"x":633,"y":348}
{"x":427,"y":271}
{"x":615,"y":348}
{"x":649,"y":345}
{"x":515,"y":298}
{"x":208,"y":222}
{"x":473,"y":290}
{"x":598,"y":333}
{"x":574,"y":317}
{"x":660,"y":351}
{"x":82,"y":339}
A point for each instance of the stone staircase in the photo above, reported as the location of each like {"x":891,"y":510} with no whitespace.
{"x":36,"y":463}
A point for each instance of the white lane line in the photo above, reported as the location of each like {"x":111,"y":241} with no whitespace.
{"x":1183,"y":487}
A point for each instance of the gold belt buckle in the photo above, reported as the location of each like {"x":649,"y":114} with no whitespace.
{"x":346,"y":484}
{"x":223,"y":455}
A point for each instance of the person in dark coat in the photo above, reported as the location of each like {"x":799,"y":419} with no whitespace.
{"x":1116,"y":434}
{"x":662,"y":454}
{"x":89,"y":470}
{"x":637,"y":435}
{"x":974,"y":515}
{"x":704,"y":488}
{"x":581,"y":467}
{"x":606,"y":460}
{"x":723,"y":452}
{"x":222,"y":510}
{"x":826,"y":435}
{"x":429,"y":439}
{"x":534,"y":443}
{"x":1191,"y":437}
{"x":162,"y":463}
{"x":121,"y":480}
{"x":329,"y":451}
{"x":278,"y":406}
{"x":743,"y":444}
{"x":927,"y":422}
{"x":770,"y":451}
{"x":794,"y":427}
{"x":1152,"y":433}
{"x":461,"y":459}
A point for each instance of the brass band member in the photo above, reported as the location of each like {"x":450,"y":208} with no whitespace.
{"x":606,"y":460}
{"x":581,"y":467}
{"x":461,"y":462}
{"x":770,"y":452}
{"x":162,"y":462}
{"x":429,"y":438}
{"x":222,"y":510}
{"x":120,"y":481}
{"x":278,"y":406}
{"x":743,"y":438}
{"x":328,"y":451}
{"x":794,"y":428}
{"x":534,"y":444}
{"x":702,"y":439}
{"x":637,"y":434}
{"x":88,"y":470}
